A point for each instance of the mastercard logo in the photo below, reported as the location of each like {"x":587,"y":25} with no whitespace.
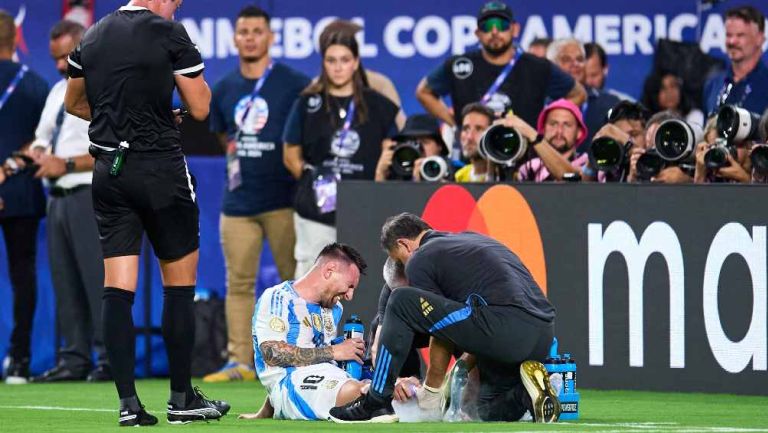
{"x":501,"y":213}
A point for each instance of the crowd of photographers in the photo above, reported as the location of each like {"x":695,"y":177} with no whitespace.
{"x":602,"y":136}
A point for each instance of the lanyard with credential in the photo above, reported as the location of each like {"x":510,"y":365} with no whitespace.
{"x":500,"y":79}
{"x":12,"y":87}
{"x":255,"y":93}
{"x":347,"y":122}
{"x":725,"y":92}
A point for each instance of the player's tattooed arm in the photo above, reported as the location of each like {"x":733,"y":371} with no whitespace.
{"x":282,"y":354}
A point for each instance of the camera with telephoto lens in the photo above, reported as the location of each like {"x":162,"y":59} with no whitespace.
{"x":502,"y":145}
{"x":434,"y":169}
{"x":404,"y":157}
{"x":674,"y":144}
{"x":734,"y":124}
{"x":607,"y":154}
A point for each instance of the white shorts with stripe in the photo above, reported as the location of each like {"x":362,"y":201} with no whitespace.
{"x":308,"y":393}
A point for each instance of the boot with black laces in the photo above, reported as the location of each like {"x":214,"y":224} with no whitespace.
{"x":198,"y":408}
{"x":131,"y":418}
{"x":366,"y":409}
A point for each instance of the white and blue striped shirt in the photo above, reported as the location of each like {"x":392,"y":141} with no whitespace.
{"x":281,"y":315}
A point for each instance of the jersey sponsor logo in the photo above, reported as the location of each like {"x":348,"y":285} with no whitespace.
{"x":463,"y":68}
{"x":452,"y":208}
{"x":276,"y":324}
{"x":314,"y":103}
{"x":499,"y":103}
{"x":257,"y":115}
{"x":313,"y":379}
{"x":348,"y":147}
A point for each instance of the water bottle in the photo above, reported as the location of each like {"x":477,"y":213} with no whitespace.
{"x":458,"y":382}
{"x":562,"y":377}
{"x":353,"y":328}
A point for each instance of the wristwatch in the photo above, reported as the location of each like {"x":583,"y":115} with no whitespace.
{"x":539,"y":138}
{"x":69,"y":165}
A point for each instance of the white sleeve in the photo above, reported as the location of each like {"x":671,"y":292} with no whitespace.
{"x":47,"y":124}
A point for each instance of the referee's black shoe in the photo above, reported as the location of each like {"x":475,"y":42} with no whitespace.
{"x":200,"y":408}
{"x":546,"y":405}
{"x":129,"y":418}
{"x":365,"y":409}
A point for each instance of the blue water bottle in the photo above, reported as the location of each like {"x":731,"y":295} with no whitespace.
{"x":353,"y":328}
{"x":562,"y":377}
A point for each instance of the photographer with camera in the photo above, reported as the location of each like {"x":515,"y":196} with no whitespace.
{"x":475,"y":119}
{"x":610,"y":149}
{"x":560,"y":129}
{"x":725,"y":154}
{"x":418,"y":152}
{"x":669,"y":153}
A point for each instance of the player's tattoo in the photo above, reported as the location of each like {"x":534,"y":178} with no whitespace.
{"x":282,"y":354}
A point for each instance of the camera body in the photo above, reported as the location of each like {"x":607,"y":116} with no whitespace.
{"x":607,"y":154}
{"x":650,"y":164}
{"x":404,"y":158}
{"x":674,"y":145}
{"x":734,"y":124}
{"x":502,"y":145}
{"x":717,"y":156}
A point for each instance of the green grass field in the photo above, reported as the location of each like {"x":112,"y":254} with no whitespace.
{"x":91,"y":407}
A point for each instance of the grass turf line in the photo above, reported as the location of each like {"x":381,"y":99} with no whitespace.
{"x":601,"y":411}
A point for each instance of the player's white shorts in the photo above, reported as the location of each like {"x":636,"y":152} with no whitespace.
{"x":308,"y":393}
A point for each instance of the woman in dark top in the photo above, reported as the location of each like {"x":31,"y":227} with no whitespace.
{"x":336,"y":131}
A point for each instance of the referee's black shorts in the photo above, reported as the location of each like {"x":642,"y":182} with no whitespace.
{"x":154,"y":192}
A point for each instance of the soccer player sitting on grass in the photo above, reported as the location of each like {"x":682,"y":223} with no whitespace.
{"x":293,"y":326}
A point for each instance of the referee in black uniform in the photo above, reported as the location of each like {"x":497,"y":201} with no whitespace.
{"x":122,"y":76}
{"x":474,"y":293}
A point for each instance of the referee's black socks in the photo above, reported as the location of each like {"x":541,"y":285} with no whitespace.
{"x":179,"y":337}
{"x":120,"y":342}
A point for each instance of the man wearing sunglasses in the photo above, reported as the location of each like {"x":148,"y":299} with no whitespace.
{"x":498,"y":75}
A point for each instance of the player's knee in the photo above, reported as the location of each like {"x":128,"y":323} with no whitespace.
{"x":349,"y":392}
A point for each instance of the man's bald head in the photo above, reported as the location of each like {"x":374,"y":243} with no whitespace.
{"x":394,"y":273}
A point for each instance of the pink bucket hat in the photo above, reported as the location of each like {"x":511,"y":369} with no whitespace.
{"x":566,"y":105}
